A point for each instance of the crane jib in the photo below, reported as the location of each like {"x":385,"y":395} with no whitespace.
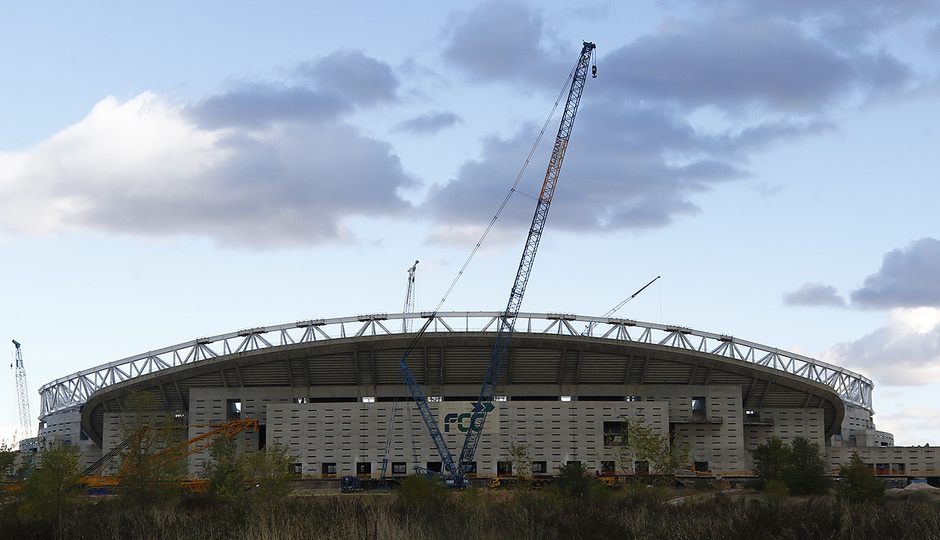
{"x":508,"y":320}
{"x":483,"y":405}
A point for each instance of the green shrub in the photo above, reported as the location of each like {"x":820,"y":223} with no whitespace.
{"x":800,"y":465}
{"x":573,"y":482}
{"x":805,"y":473}
{"x":858,"y":483}
{"x":776,"y":488}
{"x":420,"y":490}
{"x":52,"y":488}
{"x":771,"y":459}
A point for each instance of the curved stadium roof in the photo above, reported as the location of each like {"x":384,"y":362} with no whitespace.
{"x":549,"y":348}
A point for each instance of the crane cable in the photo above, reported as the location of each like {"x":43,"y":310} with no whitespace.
{"x":499,"y":210}
{"x":509,"y":195}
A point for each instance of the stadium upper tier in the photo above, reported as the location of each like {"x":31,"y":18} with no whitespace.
{"x":73,"y":390}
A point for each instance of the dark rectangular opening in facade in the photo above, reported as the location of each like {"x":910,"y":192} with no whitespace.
{"x":364,"y":467}
{"x":434,"y":466}
{"x":233,"y":409}
{"x":399,"y":468}
{"x":698,"y":406}
{"x":328,"y":469}
{"x":615,"y":433}
{"x":539,"y":467}
{"x":503,"y":468}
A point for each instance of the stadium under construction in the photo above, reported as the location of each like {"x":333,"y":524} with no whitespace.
{"x":363,"y":395}
{"x":330,"y":391}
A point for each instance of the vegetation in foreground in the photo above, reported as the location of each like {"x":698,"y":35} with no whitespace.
{"x":429,"y":512}
{"x":248,"y":496}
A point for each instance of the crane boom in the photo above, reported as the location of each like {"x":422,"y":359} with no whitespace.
{"x":22,"y":393}
{"x":615,"y":309}
{"x":508,"y":320}
{"x":424,"y":409}
{"x":409,"y":306}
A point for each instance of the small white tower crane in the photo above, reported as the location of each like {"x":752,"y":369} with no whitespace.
{"x":409,"y":298}
{"x":22,"y":393}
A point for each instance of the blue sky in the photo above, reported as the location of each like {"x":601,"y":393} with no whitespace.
{"x":179,"y":171}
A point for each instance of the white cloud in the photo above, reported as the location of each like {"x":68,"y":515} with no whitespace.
{"x":912,"y":425}
{"x":143,"y":166}
{"x":905,"y":352}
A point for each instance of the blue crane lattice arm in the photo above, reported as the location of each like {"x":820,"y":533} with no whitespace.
{"x":427,"y":415}
{"x":508,"y":321}
{"x":457,"y":469}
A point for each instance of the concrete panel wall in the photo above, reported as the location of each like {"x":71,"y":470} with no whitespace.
{"x":347,"y":434}
{"x":896,"y":460}
{"x":715,"y":437}
{"x":66,"y":428}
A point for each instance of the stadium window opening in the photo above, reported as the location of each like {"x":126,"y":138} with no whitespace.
{"x":233,"y":408}
{"x":698,"y":406}
{"x":615,"y":433}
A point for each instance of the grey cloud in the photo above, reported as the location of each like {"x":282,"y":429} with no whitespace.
{"x":893,"y":355}
{"x":257,"y":105}
{"x":640,"y":162}
{"x":500,"y":40}
{"x":814,"y":294}
{"x":908,"y":277}
{"x":352,"y":76}
{"x":735,"y":61}
{"x":429,"y":123}
{"x":733,"y":64}
{"x":296,"y":186}
{"x":626,"y":168}
{"x":331,"y":86}
{"x":933,"y":37}
{"x":844,"y":21}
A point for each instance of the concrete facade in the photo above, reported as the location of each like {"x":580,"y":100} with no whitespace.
{"x":344,"y":435}
{"x":336,"y":405}
{"x":905,"y":461}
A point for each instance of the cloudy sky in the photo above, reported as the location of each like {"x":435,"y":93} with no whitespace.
{"x":185,"y":170}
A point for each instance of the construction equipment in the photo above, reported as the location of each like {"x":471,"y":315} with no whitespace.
{"x":406,"y":326}
{"x":409,"y":307}
{"x":179,"y":451}
{"x":456,"y":470}
{"x":615,"y":309}
{"x":507,"y":323}
{"x":22,"y":393}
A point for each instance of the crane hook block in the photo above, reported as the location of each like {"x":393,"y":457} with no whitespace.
{"x":594,"y":71}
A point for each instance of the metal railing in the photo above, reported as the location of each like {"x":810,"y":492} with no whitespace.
{"x":73,"y":390}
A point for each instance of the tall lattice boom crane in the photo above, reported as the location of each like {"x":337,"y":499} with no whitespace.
{"x":457,"y":469}
{"x":507,"y":322}
{"x":409,"y":298}
{"x":22,"y":393}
